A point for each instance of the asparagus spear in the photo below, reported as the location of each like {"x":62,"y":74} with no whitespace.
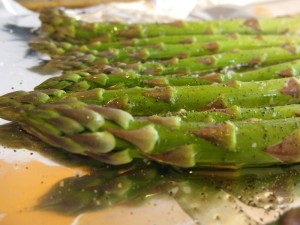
{"x":212,"y":115}
{"x":149,"y":101}
{"x":162,"y":51}
{"x":88,"y":79}
{"x":236,"y":58}
{"x":57,"y":24}
{"x":165,"y":47}
{"x":11,"y":105}
{"x":102,"y":133}
{"x":53,"y":47}
{"x":239,"y":113}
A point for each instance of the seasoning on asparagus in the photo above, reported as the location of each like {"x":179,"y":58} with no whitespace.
{"x":61,"y":26}
{"x":239,"y":113}
{"x":90,"y":78}
{"x":102,"y":133}
{"x":54,"y":48}
{"x":232,"y":59}
{"x":161,"y":100}
{"x":123,"y":51}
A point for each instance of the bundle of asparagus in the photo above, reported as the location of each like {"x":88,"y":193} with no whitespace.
{"x":187,"y":94}
{"x":115,"y":137}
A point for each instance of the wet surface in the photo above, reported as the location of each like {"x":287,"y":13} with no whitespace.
{"x":39,"y":182}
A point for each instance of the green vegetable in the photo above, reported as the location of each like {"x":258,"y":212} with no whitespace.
{"x":91,"y":78}
{"x":115,"y":137}
{"x":54,"y":48}
{"x":161,"y":100}
{"x":60,"y":26}
{"x":239,"y":113}
{"x":232,"y":59}
{"x":163,"y":50}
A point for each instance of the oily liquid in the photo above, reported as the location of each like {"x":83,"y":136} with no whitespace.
{"x":38,"y":182}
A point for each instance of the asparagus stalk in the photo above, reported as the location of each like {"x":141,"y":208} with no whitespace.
{"x":53,"y":47}
{"x":162,"y":51}
{"x":239,"y":113}
{"x":57,"y":24}
{"x":12,"y":103}
{"x":102,"y":133}
{"x":165,"y":47}
{"x":149,"y":101}
{"x":161,"y":100}
{"x":90,"y":78}
{"x":231,"y":59}
{"x":11,"y":107}
{"x":216,"y":115}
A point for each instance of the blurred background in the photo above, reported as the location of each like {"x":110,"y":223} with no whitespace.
{"x":191,"y":9}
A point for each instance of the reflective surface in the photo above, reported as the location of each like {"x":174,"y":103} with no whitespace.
{"x":47,"y":186}
{"x":38,"y":182}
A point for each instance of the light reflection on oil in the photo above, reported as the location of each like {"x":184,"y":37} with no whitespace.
{"x":24,"y":183}
{"x":21,"y":186}
{"x":34,"y":178}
